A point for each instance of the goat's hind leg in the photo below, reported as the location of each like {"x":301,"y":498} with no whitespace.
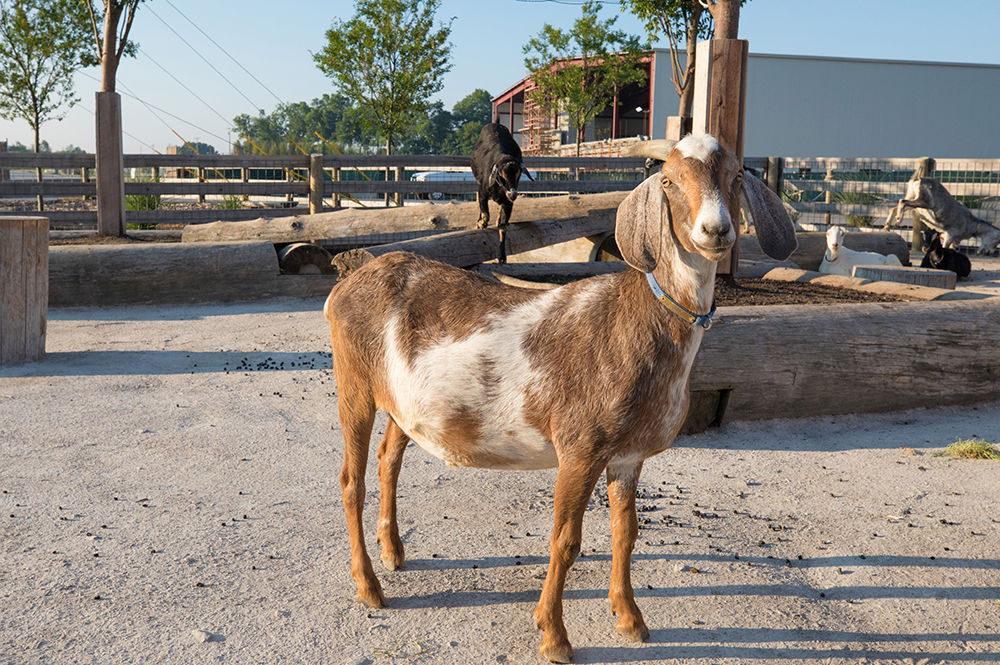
{"x":622,"y":482}
{"x":574,"y":484}
{"x":390,"y":459}
{"x":357,"y":414}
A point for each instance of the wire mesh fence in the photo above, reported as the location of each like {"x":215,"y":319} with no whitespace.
{"x":861,"y":193}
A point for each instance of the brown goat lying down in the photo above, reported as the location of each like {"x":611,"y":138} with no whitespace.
{"x":591,"y":377}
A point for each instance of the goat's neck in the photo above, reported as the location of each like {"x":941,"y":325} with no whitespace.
{"x":687,"y":278}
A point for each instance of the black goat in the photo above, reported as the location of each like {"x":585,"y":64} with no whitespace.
{"x":944,"y":258}
{"x":496,"y":164}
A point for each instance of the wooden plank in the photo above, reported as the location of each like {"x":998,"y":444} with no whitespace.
{"x":854,"y":373}
{"x":46,"y":160}
{"x":110,"y":180}
{"x":941,"y":279}
{"x":467,"y":248}
{"x":351,"y":222}
{"x":12,"y":294}
{"x":36,"y":281}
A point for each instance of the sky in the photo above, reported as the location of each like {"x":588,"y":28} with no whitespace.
{"x":275,"y":41}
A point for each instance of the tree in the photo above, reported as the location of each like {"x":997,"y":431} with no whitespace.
{"x":112,"y":43}
{"x":42,"y":45}
{"x":677,"y":18}
{"x":390,"y":58}
{"x":468,"y":117}
{"x":197,"y":147}
{"x":582,"y":69}
{"x":331,"y":116}
{"x":112,"y":40}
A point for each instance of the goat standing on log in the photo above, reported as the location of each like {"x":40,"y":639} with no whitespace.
{"x":496,"y":164}
{"x":952,"y":220}
{"x":488,"y":375}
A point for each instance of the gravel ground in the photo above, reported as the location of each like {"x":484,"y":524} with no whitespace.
{"x":169,"y":494}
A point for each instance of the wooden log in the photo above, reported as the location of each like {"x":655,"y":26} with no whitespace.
{"x":467,"y":248}
{"x":550,"y":271}
{"x":24,"y":286}
{"x":301,"y":258}
{"x":153,"y":273}
{"x":359,"y":221}
{"x":812,"y":246}
{"x":809,"y":360}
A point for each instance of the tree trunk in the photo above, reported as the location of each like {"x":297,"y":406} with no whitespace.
{"x":388,"y":151}
{"x":40,"y":203}
{"x":109,"y":61}
{"x":726,"y":14}
{"x":686,"y":102}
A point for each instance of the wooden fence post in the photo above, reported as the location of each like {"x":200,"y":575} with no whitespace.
{"x":201,"y":178}
{"x":828,"y":197}
{"x":84,"y":178}
{"x":110,"y":180}
{"x":775,"y":172}
{"x":289,"y":177}
{"x":315,"y":183}
{"x":720,"y":89}
{"x":399,"y":178}
{"x":24,"y":288}
{"x":335,"y":176}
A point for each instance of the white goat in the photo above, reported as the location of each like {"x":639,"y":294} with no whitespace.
{"x":839,"y":260}
{"x":588,"y":377}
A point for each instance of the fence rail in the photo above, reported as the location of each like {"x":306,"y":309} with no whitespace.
{"x":857,"y":192}
{"x":322,"y":180}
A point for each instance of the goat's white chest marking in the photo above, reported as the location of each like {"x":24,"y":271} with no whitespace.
{"x":480,"y":381}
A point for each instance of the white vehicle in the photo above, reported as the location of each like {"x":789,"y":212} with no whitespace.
{"x":442,"y":177}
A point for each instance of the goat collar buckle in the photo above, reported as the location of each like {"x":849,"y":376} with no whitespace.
{"x":701,"y":320}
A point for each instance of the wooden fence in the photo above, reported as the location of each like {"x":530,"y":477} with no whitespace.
{"x":855,"y":192}
{"x":325,"y":181}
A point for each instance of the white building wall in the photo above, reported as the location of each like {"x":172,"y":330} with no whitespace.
{"x":804,"y":106}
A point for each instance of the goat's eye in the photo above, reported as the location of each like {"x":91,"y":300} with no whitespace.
{"x":665,"y":182}
{"x":739,"y":175}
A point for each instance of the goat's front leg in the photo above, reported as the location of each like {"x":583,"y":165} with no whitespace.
{"x":895,"y":215}
{"x":622,"y":482}
{"x":574,"y":484}
{"x":390,"y":459}
{"x":505,"y":209}
{"x":484,"y":208}
{"x":357,"y":413}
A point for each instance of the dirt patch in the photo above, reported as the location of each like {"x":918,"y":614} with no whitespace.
{"x":95,"y":239}
{"x":773,"y":292}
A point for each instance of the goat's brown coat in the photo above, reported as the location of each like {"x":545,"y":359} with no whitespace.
{"x":608,"y":374}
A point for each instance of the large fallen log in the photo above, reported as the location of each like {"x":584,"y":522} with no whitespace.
{"x":372,"y":221}
{"x":798,"y":361}
{"x":812,"y":245}
{"x":467,"y":248}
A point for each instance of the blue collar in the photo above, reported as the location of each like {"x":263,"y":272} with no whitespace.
{"x":703,"y":320}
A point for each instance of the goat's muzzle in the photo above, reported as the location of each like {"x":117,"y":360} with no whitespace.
{"x":511,"y":194}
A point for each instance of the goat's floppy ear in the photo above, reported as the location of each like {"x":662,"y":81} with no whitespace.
{"x":527,"y":173}
{"x":639,"y":224}
{"x":775,"y":232}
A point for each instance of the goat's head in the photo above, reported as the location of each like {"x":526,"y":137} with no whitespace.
{"x":506,"y":175}
{"x":694,"y":202}
{"x":834,"y":240}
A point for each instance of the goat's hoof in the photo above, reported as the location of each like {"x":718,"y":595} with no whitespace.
{"x":556,"y":652}
{"x":371,"y":597}
{"x":392,"y":560}
{"x":632,"y":630}
{"x":483,"y":222}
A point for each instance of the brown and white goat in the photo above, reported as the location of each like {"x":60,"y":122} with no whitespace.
{"x":589,"y":377}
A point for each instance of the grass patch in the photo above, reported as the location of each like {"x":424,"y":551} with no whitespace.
{"x":231,"y":202}
{"x":972,"y":449}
